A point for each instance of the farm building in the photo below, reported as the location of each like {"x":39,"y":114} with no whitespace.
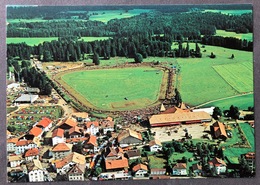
{"x":219,"y":130}
{"x":32,"y":90}
{"x":26,"y":98}
{"x":208,"y":110}
{"x":179,"y":118}
{"x":13,"y":85}
{"x":129,"y":137}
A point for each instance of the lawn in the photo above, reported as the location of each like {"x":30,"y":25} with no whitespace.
{"x":249,"y":133}
{"x":117,"y":89}
{"x":242,"y":102}
{"x":157,"y":162}
{"x":37,"y":40}
{"x":223,"y":33}
{"x":199,"y":83}
{"x":238,"y":75}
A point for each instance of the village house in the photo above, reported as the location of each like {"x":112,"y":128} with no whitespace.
{"x":140,"y":170}
{"x":218,"y":165}
{"x":155,"y":145}
{"x":23,"y":145}
{"x":62,"y":166}
{"x":117,"y":164}
{"x":31,"y":154}
{"x":92,"y":127}
{"x":107,"y":125}
{"x":75,"y":132}
{"x":58,"y":136}
{"x":11,"y":144}
{"x":179,"y":169}
{"x":197,"y":169}
{"x":45,"y":124}
{"x":219,"y":130}
{"x":80,"y":116}
{"x":77,"y":140}
{"x":113,"y":153}
{"x":61,"y":150}
{"x":15,"y":160}
{"x":35,"y":171}
{"x":133,"y":154}
{"x":68,"y":124}
{"x":118,"y":175}
{"x":76,"y":173}
{"x":158,"y":173}
{"x":129,"y":137}
{"x":36,"y":132}
{"x":90,"y":145}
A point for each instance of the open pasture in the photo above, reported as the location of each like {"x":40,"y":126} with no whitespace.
{"x":223,"y":33}
{"x":242,"y":102}
{"x":39,"y":40}
{"x":239,"y":76}
{"x":233,"y":12}
{"x":199,"y":82}
{"x":116,"y":89}
{"x":107,"y":15}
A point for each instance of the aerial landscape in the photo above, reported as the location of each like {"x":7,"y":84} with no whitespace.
{"x":97,"y":93}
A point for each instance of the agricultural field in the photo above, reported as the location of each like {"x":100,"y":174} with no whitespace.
{"x":223,"y":33}
{"x":39,"y":40}
{"x":116,"y":89}
{"x":198,"y":81}
{"x":107,"y":15}
{"x":234,"y":12}
{"x":242,"y":102}
{"x":239,"y":76}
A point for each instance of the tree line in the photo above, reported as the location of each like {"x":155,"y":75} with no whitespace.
{"x":74,"y":50}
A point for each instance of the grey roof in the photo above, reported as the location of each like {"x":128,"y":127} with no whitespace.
{"x":27,"y":98}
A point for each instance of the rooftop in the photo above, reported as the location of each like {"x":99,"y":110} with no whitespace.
{"x":60,"y":147}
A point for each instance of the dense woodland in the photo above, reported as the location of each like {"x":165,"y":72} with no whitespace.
{"x":150,"y":34}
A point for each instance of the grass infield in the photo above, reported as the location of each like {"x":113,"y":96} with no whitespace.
{"x":116,"y":89}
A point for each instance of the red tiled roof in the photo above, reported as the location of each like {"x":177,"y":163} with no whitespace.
{"x":75,"y":129}
{"x":155,"y":142}
{"x":32,"y":152}
{"x":12,"y":140}
{"x":126,"y":133}
{"x":60,"y":147}
{"x":95,"y":123}
{"x":219,"y":129}
{"x":216,"y":162}
{"x":23,"y":142}
{"x":73,"y":157}
{"x":115,"y":164}
{"x":92,"y":140}
{"x":140,"y":167}
{"x":58,"y":133}
{"x":180,"y":166}
{"x":35,"y":131}
{"x":44,"y":122}
{"x":70,"y":122}
{"x":74,"y":140}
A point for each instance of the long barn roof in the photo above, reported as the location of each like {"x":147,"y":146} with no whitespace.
{"x":179,"y":117}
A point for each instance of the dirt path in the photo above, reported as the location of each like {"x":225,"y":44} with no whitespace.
{"x":222,"y":99}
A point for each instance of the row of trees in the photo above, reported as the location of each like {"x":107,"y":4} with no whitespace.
{"x":228,"y":42}
{"x":69,"y":50}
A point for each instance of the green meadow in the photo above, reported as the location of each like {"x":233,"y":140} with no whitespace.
{"x":199,"y":82}
{"x":233,"y":12}
{"x":38,"y":40}
{"x":223,"y":33}
{"x":117,"y":89}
